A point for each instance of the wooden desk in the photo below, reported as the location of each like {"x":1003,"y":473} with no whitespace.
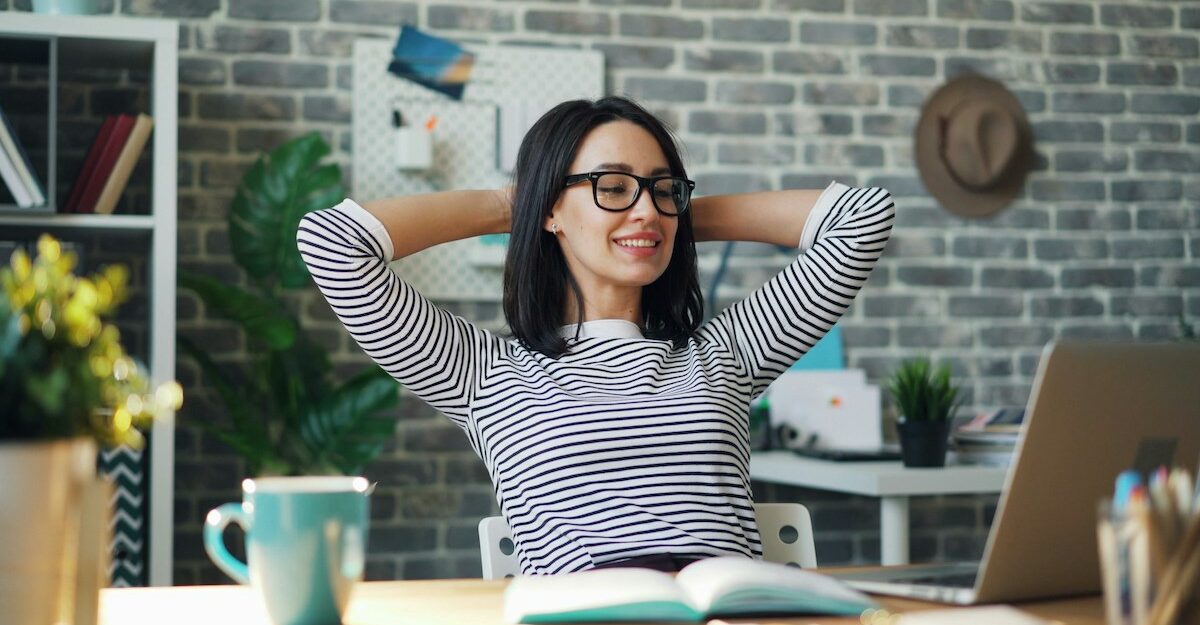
{"x":892,"y":482}
{"x":439,"y":602}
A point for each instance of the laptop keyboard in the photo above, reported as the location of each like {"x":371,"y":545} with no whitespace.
{"x":953,"y":580}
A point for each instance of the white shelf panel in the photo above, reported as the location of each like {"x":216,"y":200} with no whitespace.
{"x":67,"y":222}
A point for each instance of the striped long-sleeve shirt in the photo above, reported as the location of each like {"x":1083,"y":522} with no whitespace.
{"x":624,"y":446}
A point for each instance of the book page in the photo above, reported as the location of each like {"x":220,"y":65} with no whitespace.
{"x":734,"y":584}
{"x":594,"y":596}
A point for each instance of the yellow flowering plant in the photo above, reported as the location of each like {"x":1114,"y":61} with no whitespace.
{"x":63,"y":370}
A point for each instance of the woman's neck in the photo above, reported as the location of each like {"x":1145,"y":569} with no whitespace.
{"x":625,"y":304}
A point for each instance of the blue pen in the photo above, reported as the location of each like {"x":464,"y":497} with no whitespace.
{"x":1126,"y":482}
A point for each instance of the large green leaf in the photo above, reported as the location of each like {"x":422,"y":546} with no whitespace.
{"x":261,"y":318}
{"x":275,"y":193}
{"x":345,"y":428}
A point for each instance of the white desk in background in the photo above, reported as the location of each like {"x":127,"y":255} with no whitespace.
{"x":890,"y":481}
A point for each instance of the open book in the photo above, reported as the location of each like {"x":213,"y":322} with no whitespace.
{"x":726,"y":586}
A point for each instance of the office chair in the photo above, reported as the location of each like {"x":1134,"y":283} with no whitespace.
{"x":785,"y":528}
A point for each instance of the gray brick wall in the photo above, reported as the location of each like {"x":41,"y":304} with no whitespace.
{"x":1103,"y":241}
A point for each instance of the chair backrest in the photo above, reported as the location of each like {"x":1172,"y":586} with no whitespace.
{"x":785,"y":528}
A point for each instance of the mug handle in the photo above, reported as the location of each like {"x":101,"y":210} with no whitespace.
{"x":214,"y":541}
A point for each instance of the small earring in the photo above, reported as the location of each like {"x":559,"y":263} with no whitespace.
{"x":554,"y":228}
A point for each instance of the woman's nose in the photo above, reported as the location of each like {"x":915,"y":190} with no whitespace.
{"x":643,"y":208}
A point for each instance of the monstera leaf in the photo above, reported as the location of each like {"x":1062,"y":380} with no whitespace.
{"x":261,"y":318}
{"x":276,"y":192}
{"x":346,"y":429}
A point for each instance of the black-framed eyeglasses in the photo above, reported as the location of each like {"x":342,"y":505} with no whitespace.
{"x":618,"y":191}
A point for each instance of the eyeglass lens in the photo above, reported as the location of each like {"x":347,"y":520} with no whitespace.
{"x":619,"y":191}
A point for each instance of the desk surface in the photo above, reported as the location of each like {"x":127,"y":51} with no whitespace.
{"x":436,"y":602}
{"x":876,"y":479}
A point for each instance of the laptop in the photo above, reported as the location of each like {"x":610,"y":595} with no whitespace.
{"x":1096,"y":408}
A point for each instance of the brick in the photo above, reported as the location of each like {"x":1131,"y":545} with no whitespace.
{"x":1165,"y":46}
{"x":1189,"y":18}
{"x":327,"y":108}
{"x":753,"y":30}
{"x":901,"y":306}
{"x":1070,"y":249}
{"x":373,"y":12}
{"x":1092,"y":219}
{"x":992,"y":246}
{"x":930,"y":275}
{"x":235,"y":39}
{"x":1144,"y":132}
{"x":1012,"y":68}
{"x":202,"y":72}
{"x":888,"y":125}
{"x":1005,"y":278}
{"x":483,"y":19}
{"x":1146,"y":190}
{"x":1068,"y":132}
{"x":1158,"y":74}
{"x":717,"y":60}
{"x":402,"y":538}
{"x":722,"y":183}
{"x":118,"y":100}
{"x":899,"y":186}
{"x":912,"y":36}
{"x":816,"y":180}
{"x":1172,"y":276}
{"x":1090,"y":160}
{"x":1165,"y":103}
{"x":894,"y":65}
{"x":1088,"y":102}
{"x":441,"y":437}
{"x":1031,"y":101}
{"x":1097,"y":332}
{"x":1148,"y":305}
{"x":755,"y":154}
{"x":1071,"y":73}
{"x":714,"y":122}
{"x":281,"y":74}
{"x":621,"y":56}
{"x":666,"y":89}
{"x":1176,"y":218}
{"x":1193,"y":133}
{"x":719,"y":4}
{"x":995,"y":10}
{"x":1187,"y":162}
{"x":837,"y":33}
{"x":986,"y":306}
{"x":815,"y":6}
{"x":866,"y":336}
{"x":242,"y":107}
{"x":567,"y":22}
{"x":1004,"y":39}
{"x":856,"y":155}
{"x":1191,"y":76}
{"x":1058,"y":190}
{"x":913,"y":245}
{"x":1057,"y":13}
{"x":905,"y":96}
{"x":203,"y":139}
{"x":164,"y":8}
{"x":276,"y":10}
{"x":1014,"y":336}
{"x":1057,"y":306}
{"x":755,"y":92}
{"x":808,"y":63}
{"x":221,"y":174}
{"x":1137,"y":17}
{"x":842,"y":94}
{"x":660,"y":27}
{"x":912,"y":8}
{"x":320,"y":42}
{"x":1144,"y":247}
{"x":1093,"y":44}
{"x":1115,"y":277}
{"x":937,"y":335}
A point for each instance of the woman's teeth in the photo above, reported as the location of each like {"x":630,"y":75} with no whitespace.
{"x":637,"y":243}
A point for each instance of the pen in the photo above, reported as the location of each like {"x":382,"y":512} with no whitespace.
{"x":1126,"y":481}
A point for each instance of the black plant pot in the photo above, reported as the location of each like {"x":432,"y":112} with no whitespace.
{"x":923,"y":443}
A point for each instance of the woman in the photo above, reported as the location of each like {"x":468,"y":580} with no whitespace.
{"x":613,"y":423}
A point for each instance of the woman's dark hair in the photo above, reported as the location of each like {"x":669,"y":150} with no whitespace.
{"x":536,"y":275}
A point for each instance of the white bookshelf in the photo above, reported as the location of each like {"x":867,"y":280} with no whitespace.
{"x":105,"y":41}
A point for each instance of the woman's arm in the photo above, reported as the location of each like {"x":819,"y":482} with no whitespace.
{"x":775,"y":217}
{"x":416,"y":222}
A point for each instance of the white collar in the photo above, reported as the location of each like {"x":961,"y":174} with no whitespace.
{"x":603,"y":329}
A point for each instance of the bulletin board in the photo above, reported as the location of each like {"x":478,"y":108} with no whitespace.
{"x":464,"y":144}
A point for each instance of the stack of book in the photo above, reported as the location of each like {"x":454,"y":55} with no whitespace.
{"x":108,"y":164}
{"x":17,"y":170}
{"x":990,"y":438}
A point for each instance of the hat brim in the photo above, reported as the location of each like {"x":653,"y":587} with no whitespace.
{"x":937,"y":180}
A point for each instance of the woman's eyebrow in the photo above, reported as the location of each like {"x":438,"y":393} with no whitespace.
{"x":658,"y":171}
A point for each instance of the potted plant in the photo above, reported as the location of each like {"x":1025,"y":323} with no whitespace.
{"x":66,"y":384}
{"x":926,"y":401}
{"x":285,"y":413}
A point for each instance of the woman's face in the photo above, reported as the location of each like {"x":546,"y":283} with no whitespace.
{"x":609,"y":250}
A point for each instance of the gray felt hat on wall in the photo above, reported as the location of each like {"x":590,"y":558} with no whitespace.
{"x":973,"y":145}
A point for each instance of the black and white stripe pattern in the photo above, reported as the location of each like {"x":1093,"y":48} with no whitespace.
{"x":623,"y":446}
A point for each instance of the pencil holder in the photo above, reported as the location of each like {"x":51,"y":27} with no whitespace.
{"x":1149,"y":576}
{"x":414,"y":148}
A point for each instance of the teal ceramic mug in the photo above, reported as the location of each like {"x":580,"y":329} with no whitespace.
{"x":305,"y":544}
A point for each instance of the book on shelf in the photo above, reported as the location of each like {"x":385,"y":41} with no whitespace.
{"x":91,"y":180}
{"x":89,"y":164}
{"x":124,"y":164}
{"x":730,"y":586}
{"x":16,"y":168}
